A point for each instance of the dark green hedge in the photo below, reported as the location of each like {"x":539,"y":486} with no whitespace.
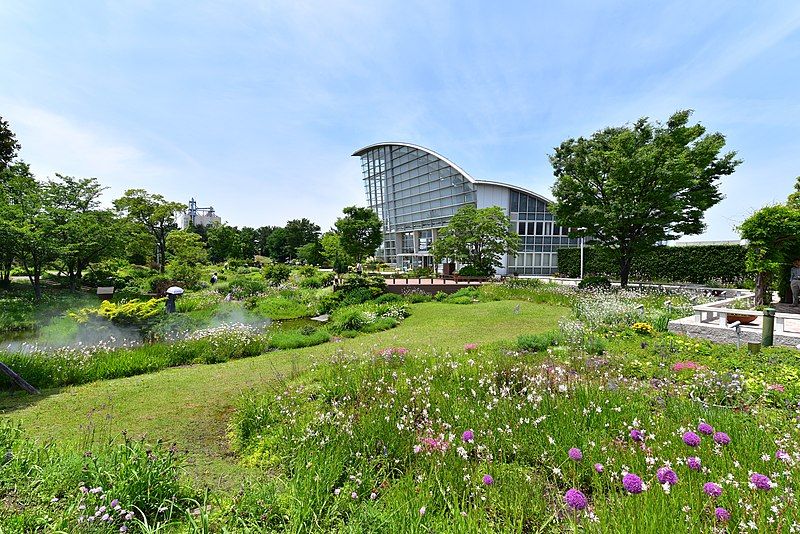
{"x":711,"y":264}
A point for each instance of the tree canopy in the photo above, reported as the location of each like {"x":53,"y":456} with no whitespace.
{"x":153,"y":212}
{"x":477,"y":237}
{"x":9,"y":146}
{"x":359,"y":232}
{"x":631,"y":187}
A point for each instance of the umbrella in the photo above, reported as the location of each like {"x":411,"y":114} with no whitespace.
{"x":174,"y":290}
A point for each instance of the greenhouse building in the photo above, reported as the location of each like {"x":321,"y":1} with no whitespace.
{"x":415,"y":191}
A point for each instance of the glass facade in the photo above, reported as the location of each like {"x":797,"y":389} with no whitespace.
{"x":540,"y":236}
{"x":411,"y":191}
{"x":415,"y":193}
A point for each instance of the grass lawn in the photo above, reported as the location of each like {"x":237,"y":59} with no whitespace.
{"x":191,"y":406}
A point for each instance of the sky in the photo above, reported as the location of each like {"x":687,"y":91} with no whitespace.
{"x":255,"y":107}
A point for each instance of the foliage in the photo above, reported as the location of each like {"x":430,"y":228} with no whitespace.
{"x":9,"y":146}
{"x":152,"y":212}
{"x":134,"y":312}
{"x":643,"y":329}
{"x":117,"y":484}
{"x":701,"y":264}
{"x":277,"y":273}
{"x":630,"y":187}
{"x":299,"y":232}
{"x":224,"y":243}
{"x":334,"y":253}
{"x":600,"y":282}
{"x":323,"y":279}
{"x":311,"y":253}
{"x":539,"y":342}
{"x":368,"y":317}
{"x":773,"y":235}
{"x":477,"y":237}
{"x":359,"y":232}
{"x":471,"y":270}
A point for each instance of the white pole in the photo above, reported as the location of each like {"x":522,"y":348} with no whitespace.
{"x":582,"y":257}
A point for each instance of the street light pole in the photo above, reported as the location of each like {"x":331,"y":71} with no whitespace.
{"x":582,"y":239}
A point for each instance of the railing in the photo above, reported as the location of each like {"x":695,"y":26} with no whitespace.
{"x":719,"y":312}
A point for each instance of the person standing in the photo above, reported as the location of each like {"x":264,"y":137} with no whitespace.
{"x":359,"y":268}
{"x":794,"y":281}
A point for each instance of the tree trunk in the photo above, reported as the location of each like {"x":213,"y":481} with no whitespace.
{"x":762,"y":283}
{"x":37,"y":285}
{"x":625,"y":261}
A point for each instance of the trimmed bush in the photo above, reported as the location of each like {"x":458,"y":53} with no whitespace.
{"x":712,"y":264}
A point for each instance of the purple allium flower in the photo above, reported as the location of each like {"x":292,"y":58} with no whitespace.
{"x":781,"y":455}
{"x":712,"y":489}
{"x":468,"y":436}
{"x":123,"y":528}
{"x":105,"y":517}
{"x":575,"y":499}
{"x":760,"y":481}
{"x":114,"y":503}
{"x":722,"y":438}
{"x":632,"y":483}
{"x":693,"y":462}
{"x":488,"y":480}
{"x":705,"y":428}
{"x":598,"y":468}
{"x":666,"y":475}
{"x":722,"y":514}
{"x":637,"y":435}
{"x":575,"y":454}
{"x":691,"y":439}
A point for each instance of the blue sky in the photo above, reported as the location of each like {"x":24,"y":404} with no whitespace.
{"x":255,"y":107}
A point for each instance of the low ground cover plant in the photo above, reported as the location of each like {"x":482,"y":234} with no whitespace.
{"x":503,"y":442}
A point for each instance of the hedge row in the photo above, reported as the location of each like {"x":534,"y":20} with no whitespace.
{"x":709,"y":265}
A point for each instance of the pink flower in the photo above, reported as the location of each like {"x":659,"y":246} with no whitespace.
{"x":575,"y":454}
{"x":598,"y":468}
{"x":776,"y":387}
{"x":470,"y":347}
{"x":681,"y":366}
{"x":468,"y":436}
{"x":693,"y":462}
{"x":488,"y":480}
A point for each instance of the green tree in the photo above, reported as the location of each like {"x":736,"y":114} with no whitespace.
{"x":298,"y":233}
{"x":14,"y":181}
{"x":359,"y":232}
{"x":334,"y":252}
{"x":187,"y":253}
{"x":263,"y":233}
{"x":276,"y":245}
{"x":773,"y":235}
{"x":311,"y":253}
{"x":152,"y":212}
{"x":37,"y":244}
{"x":9,"y":147}
{"x":248,"y":242}
{"x":223,"y":243}
{"x":477,"y":237}
{"x":630,"y":187}
{"x":85,"y":233}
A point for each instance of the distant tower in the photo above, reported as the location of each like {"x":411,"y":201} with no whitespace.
{"x":195,"y":216}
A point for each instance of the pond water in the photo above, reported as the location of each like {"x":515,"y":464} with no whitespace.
{"x":112,"y":336}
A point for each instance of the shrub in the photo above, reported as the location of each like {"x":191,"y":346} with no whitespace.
{"x":320,"y":280}
{"x":388,"y":297}
{"x":296,"y":339}
{"x":421,"y":272}
{"x":244,"y":286}
{"x":134,"y":312}
{"x":696,"y":264}
{"x":415,"y":296}
{"x":440,"y":296}
{"x":277,"y":273}
{"x":594,"y":281}
{"x":471,"y":270}
{"x":538,"y":342}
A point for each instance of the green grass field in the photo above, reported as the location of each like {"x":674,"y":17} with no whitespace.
{"x":191,"y":406}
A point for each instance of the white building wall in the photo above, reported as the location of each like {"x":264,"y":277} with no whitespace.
{"x":495,"y":195}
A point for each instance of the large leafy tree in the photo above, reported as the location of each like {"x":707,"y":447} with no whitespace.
{"x":85,"y":233}
{"x":276,"y":245}
{"x":334,"y":253}
{"x":359,"y":232}
{"x":262,"y":235}
{"x":9,"y":147}
{"x":37,"y":228}
{"x":773,"y":236}
{"x":15,"y":180}
{"x":477,"y":237}
{"x":248,"y":243}
{"x":299,"y":232}
{"x":154,"y":213}
{"x":223,"y":242}
{"x":630,"y":187}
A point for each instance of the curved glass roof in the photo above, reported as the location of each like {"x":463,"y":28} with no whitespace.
{"x":464,"y":173}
